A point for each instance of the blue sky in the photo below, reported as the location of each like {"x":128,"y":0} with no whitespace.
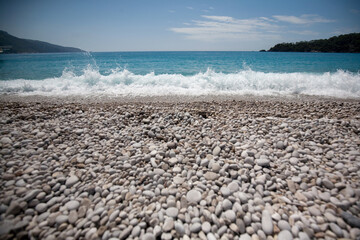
{"x":174,"y":25}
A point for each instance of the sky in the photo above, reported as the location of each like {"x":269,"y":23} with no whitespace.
{"x":178,"y":25}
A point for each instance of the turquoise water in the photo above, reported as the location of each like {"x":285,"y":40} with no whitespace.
{"x":189,"y":73}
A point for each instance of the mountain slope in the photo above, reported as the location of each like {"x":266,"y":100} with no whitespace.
{"x":348,"y":43}
{"x":19,"y":45}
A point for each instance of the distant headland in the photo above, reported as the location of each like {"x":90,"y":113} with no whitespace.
{"x":347,"y":43}
{"x":12,"y":44}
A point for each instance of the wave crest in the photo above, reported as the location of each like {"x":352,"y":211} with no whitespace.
{"x":123,"y":82}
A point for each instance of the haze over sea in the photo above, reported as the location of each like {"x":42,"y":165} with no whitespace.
{"x":181,"y":73}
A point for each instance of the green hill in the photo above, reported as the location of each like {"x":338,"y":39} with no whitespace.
{"x":348,"y":43}
{"x":18,"y":45}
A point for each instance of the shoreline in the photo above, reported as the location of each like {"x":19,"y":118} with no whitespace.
{"x":98,"y":98}
{"x":179,"y":167}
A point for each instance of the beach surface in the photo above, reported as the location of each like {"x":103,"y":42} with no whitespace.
{"x":205,"y":167}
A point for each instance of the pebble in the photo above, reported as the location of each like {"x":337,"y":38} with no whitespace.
{"x":351,"y":219}
{"x":193,"y":196}
{"x":336,"y":229}
{"x":179,"y":227}
{"x":41,"y":207}
{"x":238,"y":169}
{"x":206,"y":227}
{"x":148,"y":236}
{"x":71,"y":181}
{"x":284,"y":225}
{"x":266,"y":222}
{"x":172,"y":212}
{"x":61,"y":219}
{"x":72,"y":205}
{"x":168,"y":224}
{"x":327,"y":183}
{"x":125,"y":233}
{"x":230,"y":215}
{"x":178,"y":180}
{"x":216,"y":151}
{"x":285,"y":235}
{"x":263,"y":162}
{"x":211,"y":176}
{"x":195,"y":227}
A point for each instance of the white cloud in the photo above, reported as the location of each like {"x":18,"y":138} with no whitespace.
{"x":303,"y":19}
{"x":224,"y":27}
{"x":211,"y":28}
{"x":305,"y":32}
{"x":191,"y":8}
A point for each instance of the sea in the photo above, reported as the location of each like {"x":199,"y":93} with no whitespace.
{"x":181,"y":73}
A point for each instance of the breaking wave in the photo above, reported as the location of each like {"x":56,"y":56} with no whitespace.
{"x":342,"y":84}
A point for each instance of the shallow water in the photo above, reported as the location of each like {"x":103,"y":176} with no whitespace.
{"x":181,"y":73}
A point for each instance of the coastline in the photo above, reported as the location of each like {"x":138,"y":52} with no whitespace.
{"x":179,"y":166}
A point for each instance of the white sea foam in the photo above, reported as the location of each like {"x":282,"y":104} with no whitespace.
{"x":125,"y":83}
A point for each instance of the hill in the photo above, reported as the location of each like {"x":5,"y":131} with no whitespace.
{"x":348,"y":43}
{"x":18,"y":45}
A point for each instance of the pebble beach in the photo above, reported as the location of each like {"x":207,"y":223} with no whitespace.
{"x":179,"y":168}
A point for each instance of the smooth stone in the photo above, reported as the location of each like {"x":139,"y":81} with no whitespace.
{"x":216,"y":151}
{"x":243,"y":197}
{"x":226,"y":204}
{"x":327,"y":183}
{"x":233,"y":186}
{"x":193,"y":196}
{"x":179,"y":227}
{"x":263,"y":162}
{"x":222,"y":230}
{"x":230,"y":215}
{"x":168,"y":225}
{"x":336,"y":229}
{"x":136,"y":231}
{"x":266,"y":222}
{"x":41,"y":207}
{"x":5,"y":140}
{"x":215,"y":167}
{"x":158,"y":171}
{"x":314,"y":211}
{"x":195,"y":227}
{"x":291,"y":186}
{"x":206,"y":227}
{"x":148,"y":236}
{"x":71,"y":181}
{"x":178,"y":180}
{"x":285,"y":235}
{"x":149,"y":193}
{"x":211,"y":176}
{"x":210,"y":236}
{"x":325,"y":196}
{"x":14,"y":208}
{"x":73,"y":217}
{"x":61,"y":219}
{"x":245,"y":236}
{"x":233,"y":227}
{"x":280,"y":145}
{"x":351,"y":219}
{"x":284,"y":225}
{"x":125,"y":233}
{"x":20,"y":183}
{"x":114,"y":215}
{"x":72,"y":205}
{"x":303,"y":236}
{"x":172,"y":212}
{"x":225,"y":191}
{"x":31,"y":195}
